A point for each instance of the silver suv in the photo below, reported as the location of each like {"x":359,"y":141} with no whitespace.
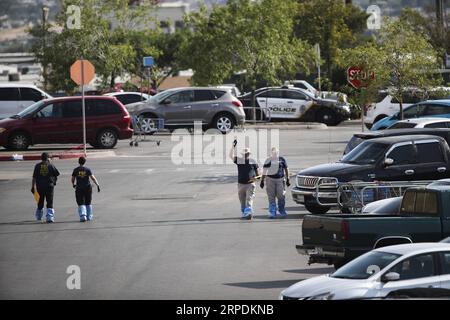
{"x":181,"y":107}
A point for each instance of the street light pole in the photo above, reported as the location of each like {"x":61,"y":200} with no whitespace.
{"x":45,"y":12}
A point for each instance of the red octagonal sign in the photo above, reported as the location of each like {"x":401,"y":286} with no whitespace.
{"x":359,"y":78}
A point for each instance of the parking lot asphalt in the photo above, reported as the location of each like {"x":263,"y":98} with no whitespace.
{"x":161,"y":231}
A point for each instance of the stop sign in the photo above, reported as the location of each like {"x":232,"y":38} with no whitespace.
{"x":358,"y":77}
{"x":79,"y":67}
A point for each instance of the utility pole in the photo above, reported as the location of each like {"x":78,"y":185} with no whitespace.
{"x":45,"y":11}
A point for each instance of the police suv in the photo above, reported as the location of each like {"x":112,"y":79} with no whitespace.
{"x":290,"y":103}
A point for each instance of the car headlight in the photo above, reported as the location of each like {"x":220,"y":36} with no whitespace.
{"x":328,"y":181}
{"x":323,"y":296}
{"x":2,"y":130}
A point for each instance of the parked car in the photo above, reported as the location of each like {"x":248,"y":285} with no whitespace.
{"x":336,"y":239}
{"x":182,"y":107}
{"x":289,"y":103}
{"x":380,"y":272}
{"x":430,"y":108}
{"x":386,"y":105}
{"x":421,"y":123}
{"x":358,"y":138}
{"x":129,"y":97}
{"x":384,"y":206}
{"x":397,"y":158}
{"x":59,"y":120}
{"x":333,"y":95}
{"x":14,"y":98}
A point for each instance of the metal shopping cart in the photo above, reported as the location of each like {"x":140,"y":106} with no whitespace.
{"x":139,"y":133}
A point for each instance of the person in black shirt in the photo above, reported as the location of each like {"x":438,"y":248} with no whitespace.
{"x":45,"y":175}
{"x":83,"y":189}
{"x":248,"y":171}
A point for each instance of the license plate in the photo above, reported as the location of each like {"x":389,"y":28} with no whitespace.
{"x":300,"y":198}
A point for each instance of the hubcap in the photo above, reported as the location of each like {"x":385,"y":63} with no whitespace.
{"x":148,"y":125}
{"x":107,"y":139}
{"x":20,"y":141}
{"x":224,"y":124}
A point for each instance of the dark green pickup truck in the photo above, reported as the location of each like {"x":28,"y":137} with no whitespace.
{"x":336,"y":239}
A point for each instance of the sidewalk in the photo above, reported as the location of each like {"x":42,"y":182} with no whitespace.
{"x":35,"y":155}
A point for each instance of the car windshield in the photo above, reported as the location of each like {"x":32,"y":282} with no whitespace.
{"x":353,"y":143}
{"x":366,"y":153}
{"x":366,"y":265}
{"x":30,"y":110}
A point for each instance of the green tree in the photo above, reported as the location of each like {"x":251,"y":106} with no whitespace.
{"x":112,"y":35}
{"x":400,"y":57}
{"x":332,"y":24}
{"x":252,"y":36}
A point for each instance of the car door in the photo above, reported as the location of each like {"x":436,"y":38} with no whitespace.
{"x":177,"y":108}
{"x":9,"y":102}
{"x":278,"y":105}
{"x":47,"y":126}
{"x":28,"y":96}
{"x":73,"y":122}
{"x":402,"y":168}
{"x":204,"y":106}
{"x":418,"y":271}
{"x":445,"y":269}
{"x":430,"y":161}
{"x":299,"y":102}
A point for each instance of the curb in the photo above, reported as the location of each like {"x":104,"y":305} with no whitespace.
{"x":61,"y":156}
{"x":285,"y":126}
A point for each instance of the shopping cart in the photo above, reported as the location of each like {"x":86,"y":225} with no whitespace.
{"x":139,"y":133}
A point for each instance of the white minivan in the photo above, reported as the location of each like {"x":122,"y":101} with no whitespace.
{"x":16,"y":97}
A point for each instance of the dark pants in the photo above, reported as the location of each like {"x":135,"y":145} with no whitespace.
{"x":45,"y":193}
{"x":84,"y":196}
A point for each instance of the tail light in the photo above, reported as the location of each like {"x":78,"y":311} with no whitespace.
{"x":237,"y":103}
{"x":345,"y":230}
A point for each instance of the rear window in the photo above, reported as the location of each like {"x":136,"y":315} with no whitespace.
{"x":436,"y":109}
{"x":429,"y":152}
{"x":30,"y":94}
{"x":72,"y":109}
{"x":102,"y":107}
{"x":9,"y":94}
{"x":420,"y":203}
{"x":218,"y":93}
{"x":381,"y":96}
{"x":203,"y":95}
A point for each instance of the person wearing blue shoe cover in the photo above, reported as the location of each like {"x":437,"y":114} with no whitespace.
{"x":44,"y":180}
{"x":276,"y":177}
{"x":83,"y":189}
{"x":248,"y":171}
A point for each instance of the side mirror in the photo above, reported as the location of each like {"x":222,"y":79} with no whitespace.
{"x":391,"y":276}
{"x":388,"y":162}
{"x":167,"y":101}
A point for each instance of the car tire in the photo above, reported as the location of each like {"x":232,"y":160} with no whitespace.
{"x":316,"y":208}
{"x":148,"y":124}
{"x":107,"y":139}
{"x":19,"y":141}
{"x":224,"y":122}
{"x":327,"y":116}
